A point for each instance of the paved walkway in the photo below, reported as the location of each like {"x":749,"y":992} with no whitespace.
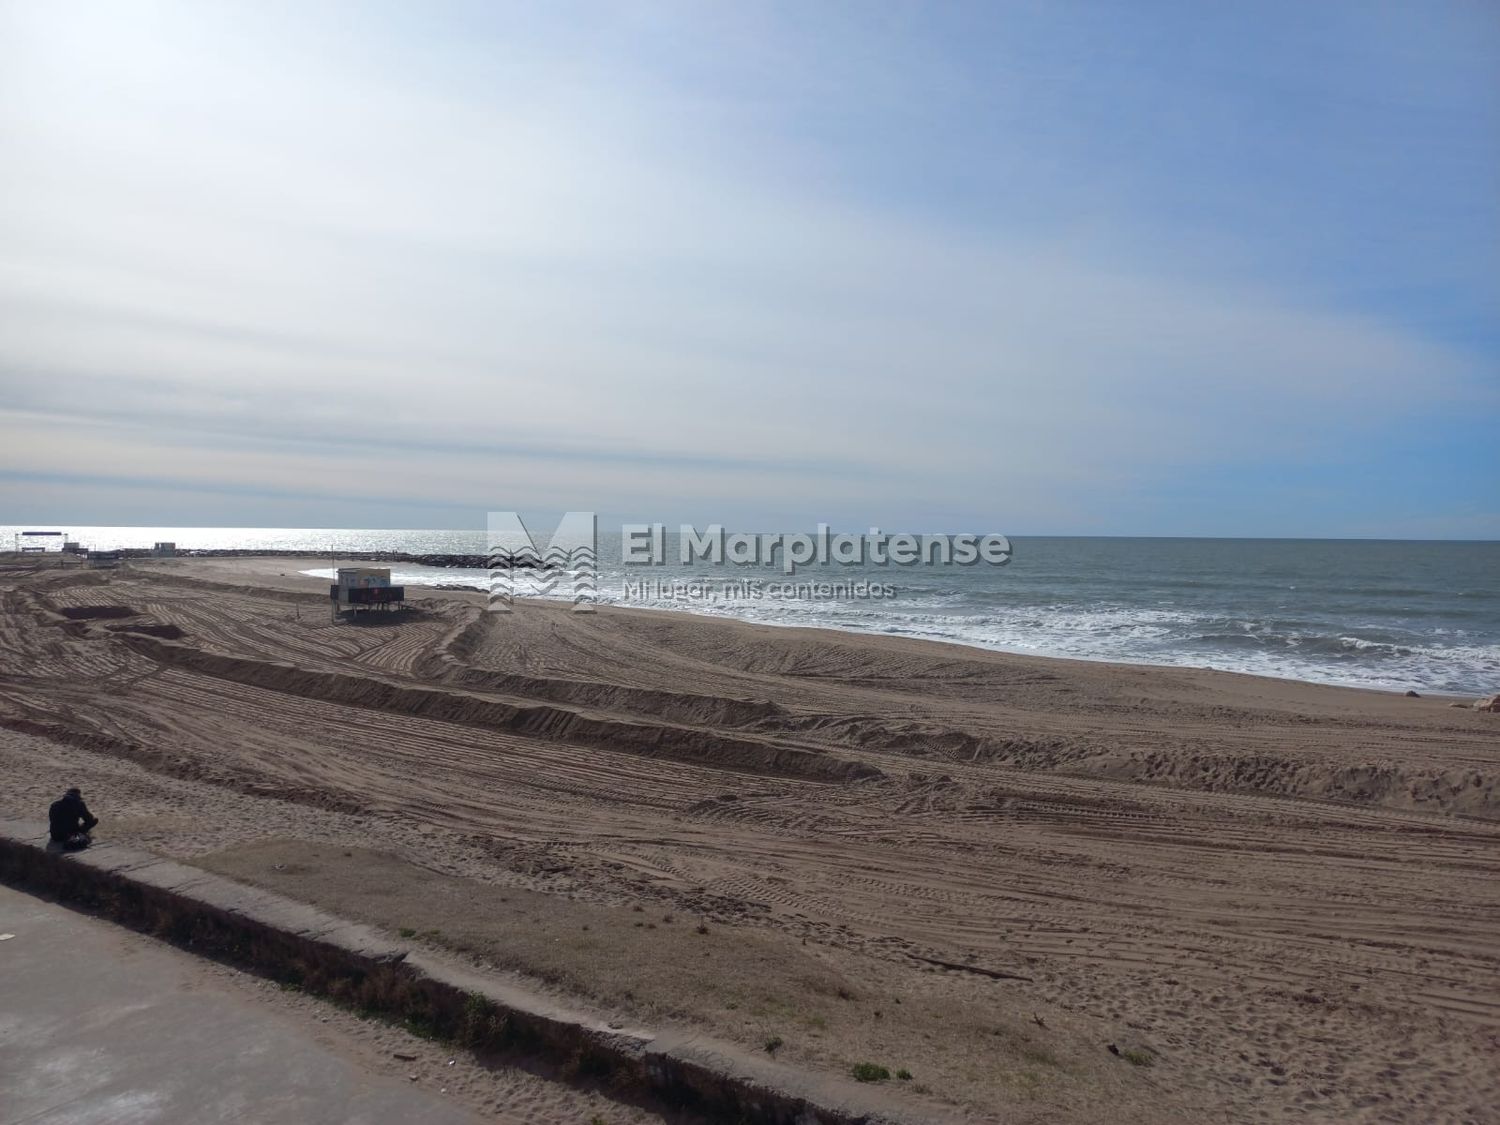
{"x":100,"y":1025}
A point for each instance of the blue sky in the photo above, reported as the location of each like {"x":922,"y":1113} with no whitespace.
{"x":1046,"y":268}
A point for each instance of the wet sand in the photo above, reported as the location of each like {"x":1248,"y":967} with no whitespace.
{"x":1274,"y":899}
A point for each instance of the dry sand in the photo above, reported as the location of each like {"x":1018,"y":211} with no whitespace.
{"x":1276,"y":900}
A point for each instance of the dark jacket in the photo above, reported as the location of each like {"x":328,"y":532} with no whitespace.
{"x":69,"y":815}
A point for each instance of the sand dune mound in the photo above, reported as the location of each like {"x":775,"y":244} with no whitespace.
{"x":533,"y":720}
{"x":919,"y":700}
{"x":259,"y":591}
{"x":165,"y":632}
{"x":458,"y":659}
{"x":96,"y":612}
{"x":682,"y":707}
{"x":1470,"y":791}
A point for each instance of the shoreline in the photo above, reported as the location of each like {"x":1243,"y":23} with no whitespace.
{"x":849,"y":630}
{"x":1394,"y":685}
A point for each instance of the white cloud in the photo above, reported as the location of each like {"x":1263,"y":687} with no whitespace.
{"x":225,"y":227}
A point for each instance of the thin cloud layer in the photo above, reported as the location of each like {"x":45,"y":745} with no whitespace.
{"x":617,"y":261}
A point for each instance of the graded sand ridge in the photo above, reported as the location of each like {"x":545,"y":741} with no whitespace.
{"x":1275,"y":899}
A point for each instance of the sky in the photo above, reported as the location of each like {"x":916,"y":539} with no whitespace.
{"x":1038,"y":268}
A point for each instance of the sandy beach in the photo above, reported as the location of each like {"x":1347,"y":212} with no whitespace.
{"x":1273,"y":900}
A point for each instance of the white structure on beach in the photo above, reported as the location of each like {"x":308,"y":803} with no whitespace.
{"x":361,"y":588}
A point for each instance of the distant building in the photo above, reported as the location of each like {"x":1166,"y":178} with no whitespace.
{"x":164,"y":550}
{"x":26,"y":541}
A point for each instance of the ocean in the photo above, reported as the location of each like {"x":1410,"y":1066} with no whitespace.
{"x":1369,"y":613}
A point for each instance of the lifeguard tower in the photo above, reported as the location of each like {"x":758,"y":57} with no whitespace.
{"x":363,"y":588}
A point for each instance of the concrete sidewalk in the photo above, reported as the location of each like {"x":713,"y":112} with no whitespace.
{"x":101,"y":1025}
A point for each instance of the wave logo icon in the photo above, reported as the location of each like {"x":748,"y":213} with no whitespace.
{"x":567,"y":566}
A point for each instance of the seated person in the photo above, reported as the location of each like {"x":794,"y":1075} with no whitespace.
{"x":70,"y":821}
